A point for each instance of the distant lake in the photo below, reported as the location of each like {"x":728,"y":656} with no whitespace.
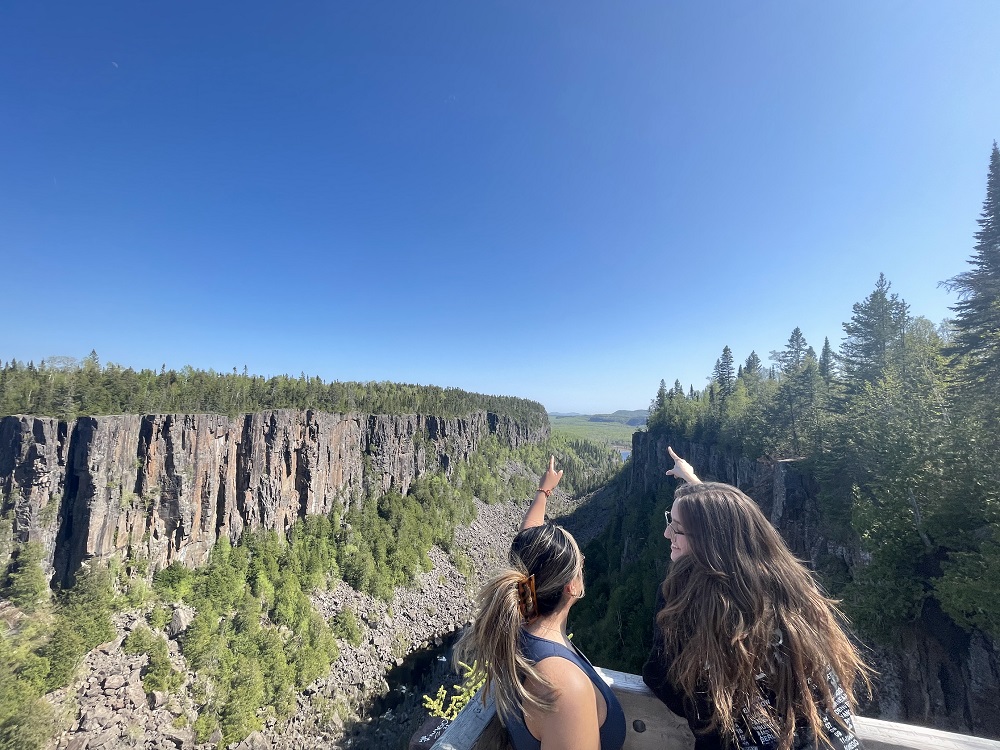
{"x":625,"y":454}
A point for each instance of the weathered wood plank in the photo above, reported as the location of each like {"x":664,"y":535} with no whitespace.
{"x":651,"y":726}
{"x":888,"y":735}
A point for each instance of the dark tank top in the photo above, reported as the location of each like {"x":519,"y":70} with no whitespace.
{"x":612,"y":730}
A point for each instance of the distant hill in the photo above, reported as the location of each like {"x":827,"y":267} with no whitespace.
{"x":634,"y":418}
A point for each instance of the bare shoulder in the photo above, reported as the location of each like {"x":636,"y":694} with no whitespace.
{"x":572,"y":723}
{"x":570,"y":682}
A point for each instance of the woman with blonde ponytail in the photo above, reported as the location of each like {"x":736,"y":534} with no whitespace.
{"x":745,"y":643}
{"x":547,"y":694}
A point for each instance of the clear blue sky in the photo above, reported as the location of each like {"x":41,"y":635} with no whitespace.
{"x":565,"y":201}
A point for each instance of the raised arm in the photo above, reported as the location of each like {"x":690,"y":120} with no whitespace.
{"x":682,"y":469}
{"x":535,"y":515}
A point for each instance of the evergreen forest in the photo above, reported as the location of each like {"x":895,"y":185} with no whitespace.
{"x":66,"y":387}
{"x":899,"y":428}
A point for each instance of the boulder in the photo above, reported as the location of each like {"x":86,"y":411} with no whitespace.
{"x":182,"y":618}
{"x":113,"y":682}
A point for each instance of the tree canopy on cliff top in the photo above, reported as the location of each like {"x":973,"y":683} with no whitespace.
{"x":66,"y":388}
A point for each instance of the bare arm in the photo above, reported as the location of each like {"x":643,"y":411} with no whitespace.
{"x":535,"y":515}
{"x":572,"y":724}
{"x":682,"y":469}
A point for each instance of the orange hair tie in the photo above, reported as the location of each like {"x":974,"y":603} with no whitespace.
{"x":527,"y":604}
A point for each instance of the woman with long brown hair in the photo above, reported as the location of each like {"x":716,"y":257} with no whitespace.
{"x":746,"y":645}
{"x":547,"y":694}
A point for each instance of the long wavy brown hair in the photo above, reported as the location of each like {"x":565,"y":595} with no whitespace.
{"x":551,"y":554}
{"x":739,"y":605}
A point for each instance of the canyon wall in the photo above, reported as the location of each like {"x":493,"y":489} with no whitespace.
{"x":166,"y":487}
{"x":931,"y":672}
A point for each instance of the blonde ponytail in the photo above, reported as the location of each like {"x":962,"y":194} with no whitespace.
{"x":550,"y":556}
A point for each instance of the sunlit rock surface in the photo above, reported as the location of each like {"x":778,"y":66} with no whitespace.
{"x":166,"y":487}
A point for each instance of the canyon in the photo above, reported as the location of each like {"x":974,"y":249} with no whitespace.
{"x":165,"y":488}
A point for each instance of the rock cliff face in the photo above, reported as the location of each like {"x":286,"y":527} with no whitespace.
{"x":933,"y":672}
{"x":166,"y":487}
{"x":786,"y":493}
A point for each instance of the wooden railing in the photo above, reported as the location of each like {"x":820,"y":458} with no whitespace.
{"x":651,"y":726}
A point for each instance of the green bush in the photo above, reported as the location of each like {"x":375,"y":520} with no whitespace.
{"x":345,"y":626}
{"x":160,"y":674}
{"x":28,"y":587}
{"x":28,"y":729}
{"x":159,"y":616}
{"x":173,"y":583}
{"x":472,"y":680}
{"x":44,"y":652}
{"x":204,"y":726}
{"x":82,"y":622}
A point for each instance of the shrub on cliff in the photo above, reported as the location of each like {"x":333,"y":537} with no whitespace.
{"x":160,"y":674}
{"x":173,"y":583}
{"x":82,"y":622}
{"x":30,"y":728}
{"x":27,"y":586}
{"x":43,"y":653}
{"x":345,"y":625}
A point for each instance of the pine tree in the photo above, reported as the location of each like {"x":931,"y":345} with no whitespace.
{"x":724,"y":374}
{"x":751,"y":374}
{"x":661,"y":397}
{"x":977,"y":313}
{"x":827,"y":367}
{"x":794,"y":353}
{"x":874,"y":335}
{"x":799,"y":406}
{"x":28,"y":585}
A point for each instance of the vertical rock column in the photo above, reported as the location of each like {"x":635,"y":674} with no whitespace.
{"x":32,"y":477}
